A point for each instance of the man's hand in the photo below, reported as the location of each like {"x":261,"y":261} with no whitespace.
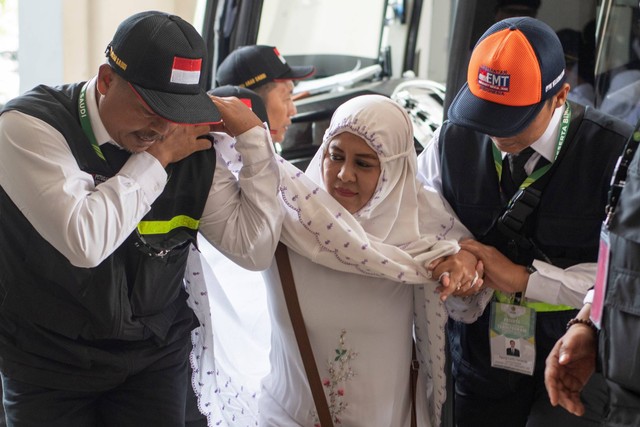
{"x":569,"y":366}
{"x":185,"y":140}
{"x":180,"y":143}
{"x":499,"y":272}
{"x":459,"y":274}
{"x":237,"y":118}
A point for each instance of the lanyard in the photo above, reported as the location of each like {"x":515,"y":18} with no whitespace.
{"x":620,"y":173}
{"x":85,"y":122}
{"x":535,"y":175}
{"x":144,"y":227}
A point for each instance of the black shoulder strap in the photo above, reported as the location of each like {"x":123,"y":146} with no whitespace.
{"x":525,"y":202}
{"x":300,"y":331}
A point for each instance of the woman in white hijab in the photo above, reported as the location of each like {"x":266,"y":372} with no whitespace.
{"x":360,"y":230}
{"x":360,"y":328}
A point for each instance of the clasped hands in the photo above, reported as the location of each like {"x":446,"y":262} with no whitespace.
{"x":474,"y":266}
{"x":570,"y":363}
{"x":460,"y":274}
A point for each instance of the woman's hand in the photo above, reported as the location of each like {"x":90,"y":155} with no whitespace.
{"x":460,"y":274}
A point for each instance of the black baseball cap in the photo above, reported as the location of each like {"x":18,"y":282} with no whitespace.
{"x":249,"y":97}
{"x":253,"y":66}
{"x":161,"y":56}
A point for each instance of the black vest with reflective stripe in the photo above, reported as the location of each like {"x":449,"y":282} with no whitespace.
{"x":566,"y":224}
{"x":131,"y":295}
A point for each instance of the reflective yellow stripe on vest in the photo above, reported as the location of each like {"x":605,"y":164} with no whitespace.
{"x":163,"y":227}
{"x":539,"y":307}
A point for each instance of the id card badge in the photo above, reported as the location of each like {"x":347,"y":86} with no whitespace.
{"x":512,"y":331}
{"x":602,"y":272}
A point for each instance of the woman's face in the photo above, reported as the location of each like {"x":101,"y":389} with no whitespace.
{"x":350,"y":170}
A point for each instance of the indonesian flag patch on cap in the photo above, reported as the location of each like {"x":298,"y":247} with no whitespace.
{"x":247,"y":102}
{"x":280,"y":57}
{"x":186,"y":71}
{"x":161,"y":57}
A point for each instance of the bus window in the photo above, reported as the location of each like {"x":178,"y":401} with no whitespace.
{"x":618,"y":64}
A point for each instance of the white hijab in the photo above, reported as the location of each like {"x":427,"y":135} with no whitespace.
{"x":392,"y":213}
{"x":392,"y":235}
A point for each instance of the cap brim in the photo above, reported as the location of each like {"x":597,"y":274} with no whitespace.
{"x":257,"y":104}
{"x":181,"y":108}
{"x":298,"y":72}
{"x":489,"y":117}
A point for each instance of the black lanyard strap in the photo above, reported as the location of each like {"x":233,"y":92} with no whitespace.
{"x":620,"y":173}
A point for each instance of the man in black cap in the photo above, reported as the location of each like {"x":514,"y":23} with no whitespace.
{"x":528,"y":174}
{"x":264,"y":70}
{"x":104,"y":185}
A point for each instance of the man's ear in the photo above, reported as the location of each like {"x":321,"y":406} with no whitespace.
{"x":561,"y":96}
{"x":105,"y":79}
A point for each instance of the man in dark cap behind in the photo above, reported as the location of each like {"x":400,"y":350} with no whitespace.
{"x":528,"y":174}
{"x":512,"y":8}
{"x":265,"y":71}
{"x":104,"y":186}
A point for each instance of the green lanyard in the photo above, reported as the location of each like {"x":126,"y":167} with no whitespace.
{"x":535,"y":175}
{"x":85,"y":122}
{"x":564,"y":127}
{"x":144,"y":227}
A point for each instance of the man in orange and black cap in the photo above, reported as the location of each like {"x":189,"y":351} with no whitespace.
{"x":527,"y":172}
{"x":104,"y":186}
{"x":265,"y":71}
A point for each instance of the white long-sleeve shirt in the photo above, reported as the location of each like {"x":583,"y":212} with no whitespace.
{"x":87,"y":222}
{"x":549,"y":283}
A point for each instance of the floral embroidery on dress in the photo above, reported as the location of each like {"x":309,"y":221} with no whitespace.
{"x":340,"y":372}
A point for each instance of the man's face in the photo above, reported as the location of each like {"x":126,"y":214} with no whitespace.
{"x":280,"y":108}
{"x":517,"y":143}
{"x":129,"y":121}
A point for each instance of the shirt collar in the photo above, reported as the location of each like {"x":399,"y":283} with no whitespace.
{"x":546,"y":144}
{"x":100,"y":132}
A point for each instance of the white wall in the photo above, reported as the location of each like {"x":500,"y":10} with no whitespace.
{"x":63,"y":41}
{"x":315,"y":20}
{"x":433,"y":37}
{"x":40,"y":48}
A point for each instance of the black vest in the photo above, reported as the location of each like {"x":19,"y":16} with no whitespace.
{"x":566,"y":224}
{"x":619,"y":338}
{"x":131,"y":295}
